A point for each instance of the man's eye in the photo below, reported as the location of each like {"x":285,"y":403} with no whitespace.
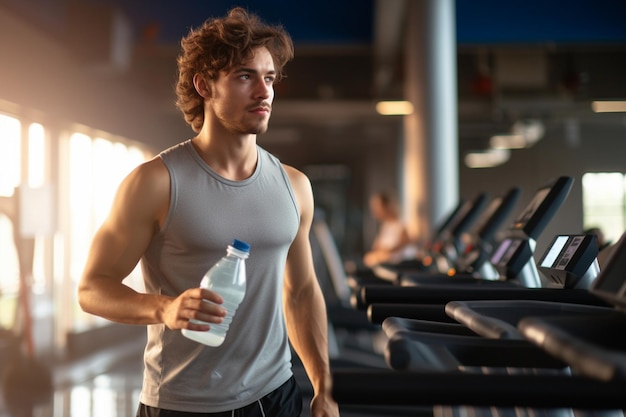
{"x":245,"y":76}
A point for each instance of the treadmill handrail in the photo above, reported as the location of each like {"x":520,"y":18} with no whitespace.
{"x":428,"y":388}
{"x":442,"y":294}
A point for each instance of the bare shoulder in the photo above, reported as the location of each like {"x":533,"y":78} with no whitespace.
{"x":298,"y":179}
{"x":301,"y":186}
{"x":153,"y":171}
{"x":148,"y":178}
{"x":145,"y":191}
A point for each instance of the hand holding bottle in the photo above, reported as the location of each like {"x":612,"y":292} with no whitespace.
{"x":180,"y":311}
{"x":227,"y":278}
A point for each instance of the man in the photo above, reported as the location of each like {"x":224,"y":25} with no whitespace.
{"x":178,"y":212}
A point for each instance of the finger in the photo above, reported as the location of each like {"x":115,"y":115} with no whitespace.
{"x":211,"y":296}
{"x":194,"y":319}
{"x":203,"y":310}
{"x":210,"y":312}
{"x":198,"y":299}
{"x":190,"y":325}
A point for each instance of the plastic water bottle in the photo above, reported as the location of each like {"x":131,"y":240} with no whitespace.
{"x":227,"y":278}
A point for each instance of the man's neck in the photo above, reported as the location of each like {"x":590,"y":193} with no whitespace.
{"x":234,"y":157}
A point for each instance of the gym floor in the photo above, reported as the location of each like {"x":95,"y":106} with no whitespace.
{"x":107,"y":384}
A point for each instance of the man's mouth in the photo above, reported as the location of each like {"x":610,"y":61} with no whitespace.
{"x":261,"y":109}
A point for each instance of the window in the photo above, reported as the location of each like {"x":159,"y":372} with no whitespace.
{"x":96,"y":168}
{"x":36,"y":155}
{"x":12,"y":159}
{"x":66,"y":186}
{"x":604,"y":203}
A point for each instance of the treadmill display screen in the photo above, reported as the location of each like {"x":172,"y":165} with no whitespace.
{"x":531,"y":209}
{"x":505,"y":251}
{"x":554,"y":251}
{"x":570,"y":251}
{"x":511,"y":251}
{"x":569,"y":259}
{"x":500,"y":251}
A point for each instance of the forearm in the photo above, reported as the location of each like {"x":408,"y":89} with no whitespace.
{"x":120,"y":303}
{"x":308,"y":332}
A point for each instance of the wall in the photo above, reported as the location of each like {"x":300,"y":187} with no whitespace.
{"x":38,"y":74}
{"x":601,"y":147}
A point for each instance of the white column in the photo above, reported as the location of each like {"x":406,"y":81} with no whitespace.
{"x":431,"y":184}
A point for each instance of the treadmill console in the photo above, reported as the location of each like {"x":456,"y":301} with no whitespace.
{"x":511,"y":256}
{"x":611,"y":283}
{"x":543,"y":206}
{"x":496,"y":214}
{"x":531,"y":208}
{"x":570,"y":258}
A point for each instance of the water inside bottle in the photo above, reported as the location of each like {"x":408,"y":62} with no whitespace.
{"x":216,"y":335}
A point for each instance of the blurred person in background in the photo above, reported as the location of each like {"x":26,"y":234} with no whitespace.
{"x":392,"y":242}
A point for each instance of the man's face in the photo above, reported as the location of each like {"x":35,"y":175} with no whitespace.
{"x":242,"y":98}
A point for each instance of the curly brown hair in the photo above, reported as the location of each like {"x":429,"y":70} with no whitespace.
{"x":219,"y":45}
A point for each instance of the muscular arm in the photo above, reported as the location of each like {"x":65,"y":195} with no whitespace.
{"x":305,"y":309}
{"x":138,"y":209}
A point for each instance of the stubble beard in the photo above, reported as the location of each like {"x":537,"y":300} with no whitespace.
{"x":262,"y":129}
{"x":245,"y":125}
{"x":251,"y":128}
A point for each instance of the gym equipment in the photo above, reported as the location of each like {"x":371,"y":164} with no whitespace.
{"x":513,"y":258}
{"x":570,"y":263}
{"x":586,"y":389}
{"x":593,"y":345}
{"x":576,"y":266}
{"x":445,"y":249}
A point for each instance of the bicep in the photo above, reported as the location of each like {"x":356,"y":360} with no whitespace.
{"x":299,"y":271}
{"x":124,"y":236}
{"x":115,"y":251}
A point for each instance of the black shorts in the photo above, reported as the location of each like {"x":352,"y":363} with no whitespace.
{"x":285,"y":401}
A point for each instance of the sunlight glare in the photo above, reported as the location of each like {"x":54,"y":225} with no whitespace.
{"x":10,"y":156}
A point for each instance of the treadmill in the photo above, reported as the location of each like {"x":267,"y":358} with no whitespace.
{"x":445,"y":249}
{"x":387,"y":273}
{"x":474,"y":255}
{"x":417,"y":343}
{"x":569,"y":263}
{"x":514,"y":259}
{"x":473,"y":261}
{"x":591,"y":345}
{"x":442,"y":251}
{"x":521,"y":235}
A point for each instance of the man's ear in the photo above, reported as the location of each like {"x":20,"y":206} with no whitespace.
{"x":202,"y":86}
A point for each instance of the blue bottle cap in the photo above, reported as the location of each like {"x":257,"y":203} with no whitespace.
{"x":241,"y":245}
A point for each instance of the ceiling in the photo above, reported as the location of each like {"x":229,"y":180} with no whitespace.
{"x":353,"y":22}
{"x":514,"y":57}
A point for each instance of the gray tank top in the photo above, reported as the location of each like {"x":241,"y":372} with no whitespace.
{"x":206,"y":213}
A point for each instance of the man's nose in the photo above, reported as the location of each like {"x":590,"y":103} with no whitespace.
{"x":263,"y":89}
